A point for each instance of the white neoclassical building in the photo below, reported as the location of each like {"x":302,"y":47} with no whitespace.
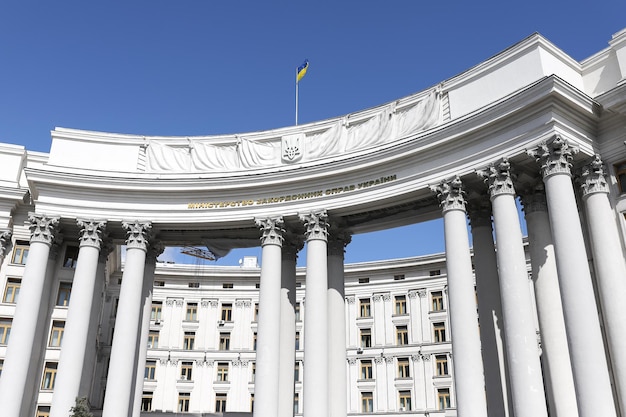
{"x":87,"y":311}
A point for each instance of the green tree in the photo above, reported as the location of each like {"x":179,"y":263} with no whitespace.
{"x":81,"y":409}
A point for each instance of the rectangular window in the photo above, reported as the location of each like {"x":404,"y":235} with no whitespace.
{"x":440,"y":332}
{"x":405,"y":400}
{"x":398,"y":277}
{"x":222,"y":371}
{"x":157,"y":307}
{"x":297,"y":340}
{"x":194,"y":285}
{"x":220,"y":403}
{"x":254,"y":339}
{"x":434,"y":272}
{"x":403,"y":368}
{"x":256,"y":312}
{"x":366,"y":369}
{"x":296,"y":371}
{"x":364,"y":280}
{"x":150,"y":371}
{"x":443,"y":398}
{"x":296,"y":403}
{"x":402,"y":335}
{"x":63,"y":297}
{"x":20,"y":253}
{"x":183,"y":401}
{"x":5,"y":330}
{"x":400,"y":304}
{"x":116,"y":304}
{"x":153,"y":339}
{"x":366,"y":308}
{"x":297,"y":311}
{"x":49,"y":375}
{"x":188,"y":341}
{"x":56,"y":334}
{"x":192,"y":312}
{"x":441,"y":362}
{"x":253,"y":372}
{"x":224,"y":341}
{"x":366,"y":338}
{"x":251,"y":403}
{"x":186,"y":369}
{"x":146,"y":401}
{"x":12,"y":291}
{"x":436,"y":298}
{"x":159,"y":283}
{"x":71,"y":256}
{"x":1,"y":365}
{"x":227,"y":312}
{"x":367,"y":402}
{"x":620,"y":174}
{"x":43,"y":411}
{"x":227,"y":286}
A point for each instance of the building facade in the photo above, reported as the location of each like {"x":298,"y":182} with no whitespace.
{"x":530,"y":126}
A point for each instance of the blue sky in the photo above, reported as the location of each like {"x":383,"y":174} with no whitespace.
{"x":196,"y":67}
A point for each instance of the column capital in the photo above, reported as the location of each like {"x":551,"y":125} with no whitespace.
{"x":155,"y":249}
{"x":499,"y":178}
{"x":91,"y":232}
{"x":534,"y":199}
{"x":350,"y":299}
{"x":451,"y":194}
{"x":338,"y":240}
{"x":137,"y":234}
{"x":593,"y":178}
{"x":316,"y":225}
{"x":43,"y":228}
{"x":479,"y":210}
{"x":106,"y":247}
{"x":555,"y":156}
{"x":5,"y":241}
{"x":292,"y":244}
{"x":271,"y":230}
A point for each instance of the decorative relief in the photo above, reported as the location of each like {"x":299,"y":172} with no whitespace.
{"x":91,"y":232}
{"x":534,"y":199}
{"x":244,"y":363}
{"x":239,"y":303}
{"x":316,"y":225}
{"x":42,"y":228}
{"x":350,"y":299}
{"x":387,"y":297}
{"x":593,"y":177}
{"x":450,"y":194}
{"x":338,"y":240}
{"x":377,"y":297}
{"x":413,"y":294}
{"x":204,"y":303}
{"x":271,"y":230}
{"x":247,"y":303}
{"x":422,"y":293}
{"x":499,"y":178}
{"x":379,"y":359}
{"x":415,"y":358}
{"x":163,"y":361}
{"x":555,"y":156}
{"x":137,"y":234}
{"x":236,"y":363}
{"x":389,"y":359}
{"x":180,"y":302}
{"x":5,"y":241}
{"x":352,"y":361}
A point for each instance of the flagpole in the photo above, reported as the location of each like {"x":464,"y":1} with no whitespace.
{"x":296,"y":96}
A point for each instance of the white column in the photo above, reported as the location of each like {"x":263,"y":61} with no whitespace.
{"x":315,"y":331}
{"x":589,"y":364}
{"x":610,"y":269}
{"x":489,"y":306}
{"x":522,"y":348}
{"x":555,"y":354}
{"x":468,"y":364}
{"x":75,"y":336}
{"x":268,"y":333}
{"x":337,"y":372}
{"x":120,"y":382}
{"x":19,"y":350}
{"x":291,"y":246}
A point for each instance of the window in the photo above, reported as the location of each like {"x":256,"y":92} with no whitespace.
{"x":227,"y":312}
{"x":254,"y":339}
{"x":150,"y":370}
{"x":116,"y":304}
{"x":5,"y":330}
{"x":227,"y":286}
{"x":220,"y":403}
{"x":222,"y":371}
{"x":297,"y":311}
{"x":186,"y":369}
{"x":400,"y":304}
{"x":443,"y":398}
{"x":366,"y":308}
{"x":188,"y":341}
{"x":296,"y":371}
{"x":402,"y":335}
{"x":157,"y":307}
{"x":440,"y":332}
{"x":43,"y":411}
{"x":398,"y":277}
{"x":20,"y":253}
{"x":159,"y":283}
{"x":146,"y":401}
{"x":434,"y":272}
{"x":297,"y":340}
{"x":153,"y":339}
{"x":620,"y":174}
{"x":364,"y":280}
{"x":367,"y":402}
{"x":441,"y":363}
{"x":403,"y":368}
{"x":251,"y":403}
{"x":1,"y":365}
{"x":405,"y":400}
{"x":49,"y":375}
{"x":192,"y":312}
{"x":253,"y":371}
{"x":63,"y":297}
{"x":56,"y":334}
{"x":194,"y":285}
{"x":366,"y":338}
{"x":366,"y":369}
{"x":436,"y":298}
{"x":12,"y":290}
{"x":224,"y":341}
{"x":183,"y":401}
{"x":71,"y":256}
{"x":256,"y":312}
{"x":296,"y":403}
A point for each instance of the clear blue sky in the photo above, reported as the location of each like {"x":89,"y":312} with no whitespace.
{"x":196,"y":67}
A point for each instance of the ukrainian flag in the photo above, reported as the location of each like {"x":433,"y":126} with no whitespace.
{"x":301,"y":71}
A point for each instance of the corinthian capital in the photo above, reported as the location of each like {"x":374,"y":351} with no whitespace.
{"x":593,"y":179}
{"x":271,"y":230}
{"x":499,"y":178}
{"x":534,"y":199}
{"x":479,"y":210}
{"x":555,"y":156}
{"x":137,"y":234}
{"x":91,"y":232}
{"x":316,"y":225}
{"x":451,"y":195}
{"x":42,"y":228}
{"x":154,"y":250}
{"x":5,"y":241}
{"x":338,"y":240}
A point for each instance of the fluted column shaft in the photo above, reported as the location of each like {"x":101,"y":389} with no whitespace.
{"x":75,"y":335}
{"x":468,"y":364}
{"x":120,"y":381}
{"x":13,"y":383}
{"x":268,"y":333}
{"x":589,"y":365}
{"x":316,"y":329}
